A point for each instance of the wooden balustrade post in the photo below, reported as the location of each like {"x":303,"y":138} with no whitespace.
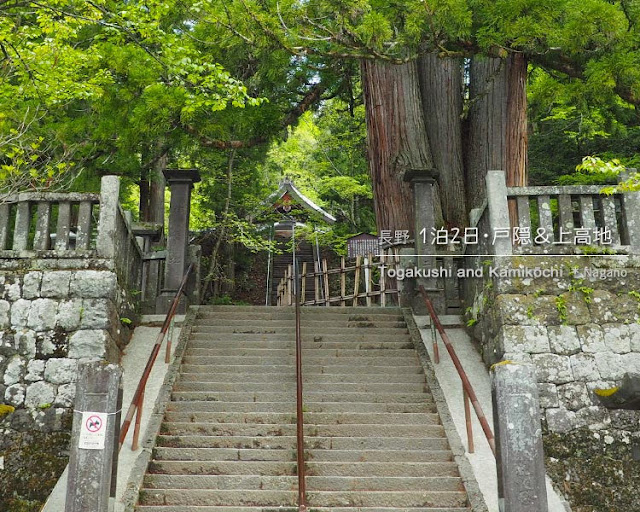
{"x":325,"y":273}
{"x":356,"y":282}
{"x":303,"y":283}
{"x":343,"y":282}
{"x":467,"y":419}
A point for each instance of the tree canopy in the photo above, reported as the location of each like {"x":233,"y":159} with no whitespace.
{"x":90,"y":87}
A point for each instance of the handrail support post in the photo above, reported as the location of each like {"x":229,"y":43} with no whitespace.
{"x":467,"y":419}
{"x":136,"y":427}
{"x":434,"y":339}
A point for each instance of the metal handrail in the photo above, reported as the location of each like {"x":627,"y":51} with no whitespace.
{"x":138,"y":397}
{"x":467,"y":389}
{"x":302,"y":500}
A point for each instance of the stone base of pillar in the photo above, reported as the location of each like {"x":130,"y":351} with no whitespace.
{"x":163,"y":303}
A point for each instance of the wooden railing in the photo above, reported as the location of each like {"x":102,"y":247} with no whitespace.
{"x":357,"y":283}
{"x":48,"y":221}
{"x":468,"y":392}
{"x":301,"y":471}
{"x":135,"y":409}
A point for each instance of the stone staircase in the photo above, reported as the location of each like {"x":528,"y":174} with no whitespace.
{"x":374,"y":442}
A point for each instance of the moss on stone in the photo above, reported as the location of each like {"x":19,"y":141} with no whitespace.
{"x":6,"y":409}
{"x":596,"y":471}
{"x":33,"y":462}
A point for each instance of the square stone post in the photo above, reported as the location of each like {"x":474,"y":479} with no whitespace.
{"x":181,"y":183}
{"x":107,"y":224}
{"x":519,"y":451}
{"x":423,"y":185}
{"x":631,"y":213}
{"x":498,"y":207}
{"x":94,"y":447}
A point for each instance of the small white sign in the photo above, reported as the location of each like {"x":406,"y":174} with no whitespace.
{"x":93,"y":431}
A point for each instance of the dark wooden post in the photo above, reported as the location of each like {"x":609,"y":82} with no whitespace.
{"x":96,"y":425}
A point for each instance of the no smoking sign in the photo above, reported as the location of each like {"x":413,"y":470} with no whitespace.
{"x":93,"y":430}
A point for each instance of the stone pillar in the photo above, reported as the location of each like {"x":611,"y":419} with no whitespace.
{"x":92,"y":472}
{"x":107,"y":224}
{"x":498,"y":207}
{"x":519,"y":451}
{"x":631,"y":212}
{"x":193,"y":286}
{"x":423,"y":185}
{"x":181,"y":182}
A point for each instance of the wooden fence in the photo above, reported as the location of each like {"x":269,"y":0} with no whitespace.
{"x":359,"y":282}
{"x":48,"y":221}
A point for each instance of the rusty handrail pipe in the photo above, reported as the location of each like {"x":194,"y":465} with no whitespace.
{"x":302,"y":494}
{"x":138,"y":396}
{"x":466,"y":384}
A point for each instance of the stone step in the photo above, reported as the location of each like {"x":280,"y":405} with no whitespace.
{"x":316,"y":443}
{"x":291,"y":377}
{"x":220,"y":454}
{"x":334,"y":320}
{"x":308,"y":369}
{"x":213,"y":508}
{"x":280,"y":468}
{"x":275,"y":429}
{"x":307,"y":352}
{"x":310,"y":418}
{"x":425,"y":406}
{"x":317,"y":498}
{"x":279,"y":387}
{"x":307,"y":336}
{"x":288,"y":314}
{"x":317,"y":329}
{"x":309,"y":397}
{"x":347,"y":310}
{"x":314,"y":483}
{"x":290,"y":344}
{"x":309,"y":360}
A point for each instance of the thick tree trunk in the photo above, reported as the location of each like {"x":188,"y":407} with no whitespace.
{"x":516,"y":144}
{"x":152,"y":187}
{"x":497,"y":136}
{"x":396,"y":140}
{"x":441,"y":88}
{"x":157,"y":188}
{"x":486,"y":142}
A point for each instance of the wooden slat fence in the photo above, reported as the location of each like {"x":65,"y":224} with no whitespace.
{"x":359,"y":282}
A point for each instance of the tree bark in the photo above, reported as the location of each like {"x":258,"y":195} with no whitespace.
{"x":152,"y":185}
{"x":396,"y":138}
{"x":157,"y":188}
{"x":516,"y":136}
{"x":441,"y":88}
{"x":487,"y":125}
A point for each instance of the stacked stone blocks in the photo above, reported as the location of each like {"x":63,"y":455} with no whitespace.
{"x":579,"y":337}
{"x":49,"y":321}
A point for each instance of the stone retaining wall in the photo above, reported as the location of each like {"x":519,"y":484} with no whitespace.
{"x":49,"y":320}
{"x":580,"y":331}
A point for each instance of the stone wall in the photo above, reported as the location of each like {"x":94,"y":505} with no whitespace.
{"x":66,"y":311}
{"x":580,"y":328}
{"x":581,"y":332}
